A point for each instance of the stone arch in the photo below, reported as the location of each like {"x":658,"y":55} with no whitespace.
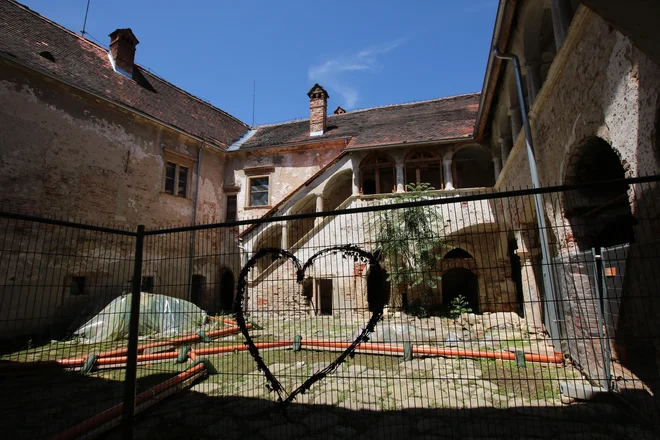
{"x":377,"y":175}
{"x":297,"y":229}
{"x":598,"y":215}
{"x":472,"y":167}
{"x":338,"y":188}
{"x":269,"y":237}
{"x":459,"y":277}
{"x":539,"y":47}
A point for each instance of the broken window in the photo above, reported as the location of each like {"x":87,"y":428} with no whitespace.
{"x":259,"y":191}
{"x":231,"y":208}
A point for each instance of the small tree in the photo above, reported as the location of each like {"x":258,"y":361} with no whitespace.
{"x":408,"y":240}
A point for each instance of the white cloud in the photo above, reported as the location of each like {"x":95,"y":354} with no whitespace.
{"x":329,"y":73}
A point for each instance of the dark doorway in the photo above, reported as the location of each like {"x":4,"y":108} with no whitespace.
{"x":460,"y":281}
{"x":325,"y":296}
{"x":198,"y":290}
{"x":600,"y":216}
{"x":227,"y":291}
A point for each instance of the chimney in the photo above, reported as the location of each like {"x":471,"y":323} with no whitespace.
{"x":339,"y":111}
{"x":318,"y":110}
{"x":122,"y":49}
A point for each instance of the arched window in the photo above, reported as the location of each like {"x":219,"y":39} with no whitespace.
{"x":377,"y":174}
{"x":424,"y":167}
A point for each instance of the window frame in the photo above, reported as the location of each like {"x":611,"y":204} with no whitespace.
{"x":176,"y":182}
{"x":248,"y":199}
{"x":429,"y":160}
{"x":373,"y":163}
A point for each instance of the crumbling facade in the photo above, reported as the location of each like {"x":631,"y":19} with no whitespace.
{"x":111,"y":142}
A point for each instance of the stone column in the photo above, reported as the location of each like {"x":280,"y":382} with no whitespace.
{"x":449,"y":184}
{"x":516,"y":120}
{"x":529,"y":253}
{"x":505,"y":147}
{"x":319,"y":208}
{"x":561,"y":20}
{"x":356,"y":181}
{"x":497,"y":164}
{"x":533,"y":78}
{"x":400,"y":180}
{"x":285,"y":237}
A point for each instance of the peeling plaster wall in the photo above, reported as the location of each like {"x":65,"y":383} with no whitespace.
{"x":291,"y":168}
{"x":88,"y":160}
{"x":69,"y":155}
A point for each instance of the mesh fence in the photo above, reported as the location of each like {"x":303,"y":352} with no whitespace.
{"x":397,"y":316}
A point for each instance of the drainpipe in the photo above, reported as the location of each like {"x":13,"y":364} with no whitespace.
{"x":548,"y":279}
{"x":194,"y":220}
{"x":241,"y":246}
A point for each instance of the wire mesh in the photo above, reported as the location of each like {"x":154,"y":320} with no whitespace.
{"x":462,"y":349}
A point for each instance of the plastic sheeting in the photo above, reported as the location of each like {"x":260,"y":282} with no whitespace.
{"x":160,"y":316}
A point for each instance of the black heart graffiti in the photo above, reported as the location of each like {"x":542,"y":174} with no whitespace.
{"x":377,"y":298}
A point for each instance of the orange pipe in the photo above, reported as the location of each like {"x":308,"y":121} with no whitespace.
{"x":191,"y":338}
{"x":242,"y":347}
{"x":116,"y":411}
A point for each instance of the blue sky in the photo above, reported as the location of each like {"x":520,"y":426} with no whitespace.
{"x":365,"y":53}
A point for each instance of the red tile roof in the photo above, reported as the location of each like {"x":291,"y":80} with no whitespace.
{"x":79,"y":62}
{"x":434,"y":120}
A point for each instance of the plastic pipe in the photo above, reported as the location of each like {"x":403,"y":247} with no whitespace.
{"x":241,"y":347}
{"x":116,"y":411}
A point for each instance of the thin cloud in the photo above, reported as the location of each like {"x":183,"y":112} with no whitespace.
{"x":330,"y":72}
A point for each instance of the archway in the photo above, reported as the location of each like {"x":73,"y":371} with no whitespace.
{"x":473,"y":168}
{"x":297,"y":229}
{"x":271,"y":237}
{"x":460,"y":281}
{"x":227,"y":291}
{"x":337,"y":190}
{"x":600,"y":216}
{"x":377,"y":174}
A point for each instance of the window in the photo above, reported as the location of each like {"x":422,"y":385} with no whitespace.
{"x":176,"y":179}
{"x":377,"y":173}
{"x":258,"y":188}
{"x":78,"y":286}
{"x":231,"y":208}
{"x":424,"y":167}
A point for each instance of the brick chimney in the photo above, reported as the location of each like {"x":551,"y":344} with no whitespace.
{"x":318,"y":110}
{"x":122,"y":49}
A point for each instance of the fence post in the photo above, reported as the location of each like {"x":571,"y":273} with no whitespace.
{"x":130,"y":381}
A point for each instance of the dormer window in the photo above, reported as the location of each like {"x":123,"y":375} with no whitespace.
{"x":47,"y":55}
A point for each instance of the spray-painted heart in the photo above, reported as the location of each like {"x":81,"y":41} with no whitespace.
{"x":377,"y":298}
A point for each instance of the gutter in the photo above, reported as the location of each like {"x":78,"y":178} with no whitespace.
{"x":194,"y":220}
{"x":110,"y":101}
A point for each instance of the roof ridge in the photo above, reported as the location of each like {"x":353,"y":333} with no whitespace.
{"x":444,"y":98}
{"x":144,"y":68}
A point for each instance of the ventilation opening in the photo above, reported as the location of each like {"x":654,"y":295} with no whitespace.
{"x":49,"y":56}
